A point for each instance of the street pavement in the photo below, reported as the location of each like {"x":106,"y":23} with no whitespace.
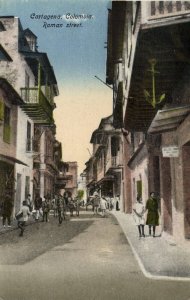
{"x":86,"y":258}
{"x":158,"y":257}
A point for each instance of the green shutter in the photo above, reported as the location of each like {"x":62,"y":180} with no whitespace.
{"x":139,"y":188}
{"x":7,"y":134}
{"x":1,"y":110}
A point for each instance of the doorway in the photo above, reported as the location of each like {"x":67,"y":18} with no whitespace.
{"x":166,"y":193}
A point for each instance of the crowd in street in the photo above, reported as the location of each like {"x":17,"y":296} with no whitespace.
{"x":65,"y":205}
{"x":60,"y":206}
{"x":39,"y":209}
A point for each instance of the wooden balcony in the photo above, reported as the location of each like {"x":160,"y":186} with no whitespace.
{"x":167,"y":9}
{"x":114,"y":162}
{"x":37,"y":105}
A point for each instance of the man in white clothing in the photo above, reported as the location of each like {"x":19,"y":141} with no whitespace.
{"x":24,"y":212}
{"x":103,"y":206}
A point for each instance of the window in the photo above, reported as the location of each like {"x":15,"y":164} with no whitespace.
{"x":27,"y":186}
{"x":28,"y":137}
{"x":27,"y":80}
{"x":139,"y":188}
{"x":7,"y":127}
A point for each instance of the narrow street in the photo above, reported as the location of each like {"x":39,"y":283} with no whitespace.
{"x":84,"y":258}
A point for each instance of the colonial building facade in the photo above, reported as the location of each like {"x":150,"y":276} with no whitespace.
{"x":30,"y":73}
{"x":147,"y":64}
{"x":104,"y":170}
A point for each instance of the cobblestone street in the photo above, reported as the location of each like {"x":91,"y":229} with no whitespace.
{"x":84,"y":258}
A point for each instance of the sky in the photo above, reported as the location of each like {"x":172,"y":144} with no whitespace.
{"x":77,"y":54}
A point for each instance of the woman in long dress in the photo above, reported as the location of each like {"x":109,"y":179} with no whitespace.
{"x":153,"y":213}
{"x":139,"y":211}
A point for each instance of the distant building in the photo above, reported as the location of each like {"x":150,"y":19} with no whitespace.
{"x":104,"y":170}
{"x":71,"y":176}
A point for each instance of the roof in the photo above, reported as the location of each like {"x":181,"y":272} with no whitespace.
{"x":33,"y":58}
{"x":29,"y":32}
{"x":100,"y":130}
{"x":4,"y":55}
{"x":168,"y":119}
{"x":2,"y":28}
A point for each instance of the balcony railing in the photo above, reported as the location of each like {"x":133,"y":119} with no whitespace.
{"x":115,"y":161}
{"x":36,"y":101}
{"x":162,"y":9}
{"x":30,"y":95}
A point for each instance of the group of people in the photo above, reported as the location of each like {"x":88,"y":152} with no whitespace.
{"x":152,"y":219}
{"x":63,"y":204}
{"x":102,"y":203}
{"x":39,"y":209}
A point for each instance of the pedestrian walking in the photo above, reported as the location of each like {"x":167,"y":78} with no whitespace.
{"x":45,"y":208}
{"x":103,"y":206}
{"x":96,"y":202}
{"x":117,"y":202}
{"x":138,"y":215}
{"x":6,"y":210}
{"x":77,"y":206}
{"x":111,"y":203}
{"x":38,"y":207}
{"x":71,"y":205}
{"x":59,"y":204}
{"x":153,"y":216}
{"x":54,"y":206}
{"x":66,"y":198}
{"x":22,"y":217}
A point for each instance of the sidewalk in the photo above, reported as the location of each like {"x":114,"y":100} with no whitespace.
{"x":158,"y":258}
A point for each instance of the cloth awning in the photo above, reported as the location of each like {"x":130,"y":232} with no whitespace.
{"x":12,"y":159}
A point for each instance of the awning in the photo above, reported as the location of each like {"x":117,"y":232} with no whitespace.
{"x":106,"y":178}
{"x":168,"y":119}
{"x":12,"y":159}
{"x":91,"y":183}
{"x":135,"y":154}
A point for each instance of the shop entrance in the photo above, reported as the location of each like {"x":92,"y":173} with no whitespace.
{"x":166,"y":194}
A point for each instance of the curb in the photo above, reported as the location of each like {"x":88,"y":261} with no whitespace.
{"x":146,"y":273}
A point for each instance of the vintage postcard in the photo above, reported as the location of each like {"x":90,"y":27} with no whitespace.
{"x":94,"y":150}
